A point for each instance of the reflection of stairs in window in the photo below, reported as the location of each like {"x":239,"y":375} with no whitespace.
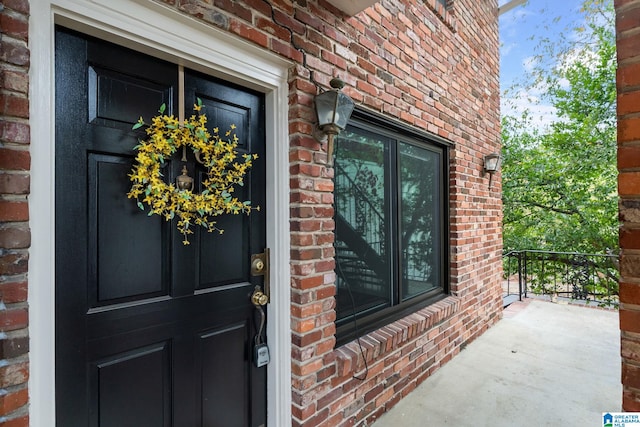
{"x":354,"y":250}
{"x":360,"y":249}
{"x":358,"y":264}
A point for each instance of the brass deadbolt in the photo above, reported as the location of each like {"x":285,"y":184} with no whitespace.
{"x":257,"y":266}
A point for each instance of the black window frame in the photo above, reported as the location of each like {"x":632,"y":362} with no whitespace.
{"x":350,"y":327}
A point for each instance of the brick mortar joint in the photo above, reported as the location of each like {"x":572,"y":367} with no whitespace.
{"x":627,"y":89}
{"x":20,"y":360}
{"x":10,"y":278}
{"x":21,"y":305}
{"x":13,"y":12}
{"x":15,"y":93}
{"x":447,"y":308}
{"x":14,"y":68}
{"x":14,"y":198}
{"x":13,"y":40}
{"x":17,"y":147}
{"x":16,"y":334}
{"x":627,"y":306}
{"x":631,"y":362}
{"x":633,"y":336}
{"x":629,"y":144}
{"x":628,"y":61}
{"x":633,"y":115}
{"x":18,"y":413}
{"x":17,"y":225}
{"x":627,"y":7}
{"x":15,"y":388}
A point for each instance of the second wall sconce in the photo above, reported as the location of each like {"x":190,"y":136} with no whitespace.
{"x":492,"y":164}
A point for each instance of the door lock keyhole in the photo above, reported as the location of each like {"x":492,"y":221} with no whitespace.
{"x":257,"y":266}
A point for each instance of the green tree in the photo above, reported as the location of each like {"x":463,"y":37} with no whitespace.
{"x":559,"y":181}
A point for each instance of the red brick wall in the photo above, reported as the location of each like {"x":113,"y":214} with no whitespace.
{"x":391,"y":60}
{"x":628,"y":83}
{"x":434,"y":69}
{"x":435,"y":72}
{"x":14,"y":213}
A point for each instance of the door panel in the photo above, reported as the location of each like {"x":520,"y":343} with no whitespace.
{"x":148,"y":331}
{"x":125,"y":401}
{"x":110,"y":94}
{"x":225,"y":367}
{"x":120,"y":235}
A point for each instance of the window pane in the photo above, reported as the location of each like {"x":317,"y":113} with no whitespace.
{"x":420,"y":219}
{"x":362,"y":247}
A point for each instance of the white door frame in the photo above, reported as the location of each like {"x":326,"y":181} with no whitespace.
{"x":155,"y":29}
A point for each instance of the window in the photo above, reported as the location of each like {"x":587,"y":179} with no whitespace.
{"x":391,"y":223}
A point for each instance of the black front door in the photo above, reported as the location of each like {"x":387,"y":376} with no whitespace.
{"x":149,"y":332}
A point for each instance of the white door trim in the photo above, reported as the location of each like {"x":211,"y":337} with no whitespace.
{"x":160,"y":31}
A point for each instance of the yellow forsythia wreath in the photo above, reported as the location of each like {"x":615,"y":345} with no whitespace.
{"x":218,"y":154}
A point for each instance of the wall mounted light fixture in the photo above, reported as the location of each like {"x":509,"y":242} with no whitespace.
{"x":492,"y":164}
{"x":333,"y":109}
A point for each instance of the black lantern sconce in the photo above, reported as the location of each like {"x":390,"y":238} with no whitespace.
{"x":492,"y":164}
{"x":333,"y":109}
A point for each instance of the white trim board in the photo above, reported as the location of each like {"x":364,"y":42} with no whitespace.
{"x":142,"y":25}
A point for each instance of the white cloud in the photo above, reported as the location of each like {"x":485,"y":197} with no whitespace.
{"x":542,"y":115}
{"x":505,"y":49}
{"x":529,"y":63}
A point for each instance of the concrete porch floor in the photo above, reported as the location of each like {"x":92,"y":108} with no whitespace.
{"x":543,"y":364}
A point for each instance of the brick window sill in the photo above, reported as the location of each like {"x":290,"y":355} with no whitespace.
{"x":393,"y":336}
{"x":444,"y":13}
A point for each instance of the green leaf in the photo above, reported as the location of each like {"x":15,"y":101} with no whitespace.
{"x":162,"y":109}
{"x":199,"y":102}
{"x":138,"y":125}
{"x":140,"y":205}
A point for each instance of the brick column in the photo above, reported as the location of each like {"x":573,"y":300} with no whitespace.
{"x":628,"y":84}
{"x":14,"y":212}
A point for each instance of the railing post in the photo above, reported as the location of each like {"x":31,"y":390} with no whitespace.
{"x":520,"y":276}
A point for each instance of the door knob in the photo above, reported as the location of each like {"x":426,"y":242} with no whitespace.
{"x":258,"y":298}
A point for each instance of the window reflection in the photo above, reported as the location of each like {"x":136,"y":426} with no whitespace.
{"x":362,"y":259}
{"x":419,"y":219}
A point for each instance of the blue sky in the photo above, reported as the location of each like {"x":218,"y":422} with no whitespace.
{"x":517,"y":27}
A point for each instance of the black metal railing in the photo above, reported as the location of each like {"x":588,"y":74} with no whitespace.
{"x":356,"y":209}
{"x":360,"y":248}
{"x":591,"y":278}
